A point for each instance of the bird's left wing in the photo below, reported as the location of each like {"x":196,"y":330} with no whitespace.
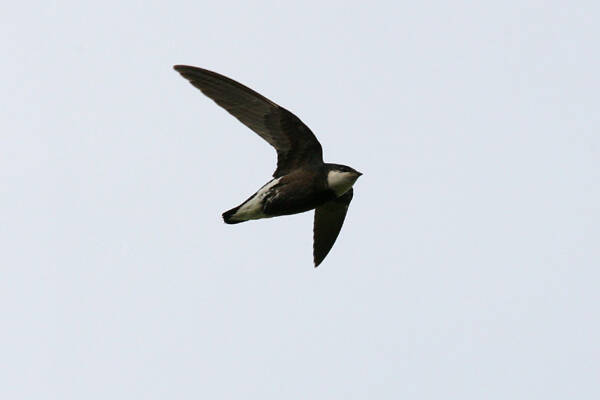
{"x":294,"y":142}
{"x":329,"y":219}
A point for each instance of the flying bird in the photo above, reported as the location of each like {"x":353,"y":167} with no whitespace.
{"x":302,"y":181}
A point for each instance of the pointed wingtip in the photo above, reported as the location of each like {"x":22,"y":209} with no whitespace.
{"x":183,"y":68}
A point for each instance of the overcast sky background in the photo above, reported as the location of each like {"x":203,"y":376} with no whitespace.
{"x":468,"y":266}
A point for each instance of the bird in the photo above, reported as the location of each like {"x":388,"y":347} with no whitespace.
{"x":302,"y":181}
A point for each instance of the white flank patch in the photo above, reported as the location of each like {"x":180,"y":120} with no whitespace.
{"x":252,"y":209}
{"x":340,"y":182}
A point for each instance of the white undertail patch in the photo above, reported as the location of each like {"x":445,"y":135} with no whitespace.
{"x":253,"y":208}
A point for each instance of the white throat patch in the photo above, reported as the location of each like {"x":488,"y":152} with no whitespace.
{"x":340,"y":182}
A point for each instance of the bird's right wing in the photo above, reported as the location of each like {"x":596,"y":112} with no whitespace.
{"x":295,"y":143}
{"x":329,"y":219}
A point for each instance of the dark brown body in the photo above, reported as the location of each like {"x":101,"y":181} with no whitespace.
{"x":299,"y":191}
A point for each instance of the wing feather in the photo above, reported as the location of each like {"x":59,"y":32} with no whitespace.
{"x":328,"y":222}
{"x":294,"y":142}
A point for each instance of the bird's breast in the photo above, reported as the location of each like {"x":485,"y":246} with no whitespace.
{"x":292,"y":196}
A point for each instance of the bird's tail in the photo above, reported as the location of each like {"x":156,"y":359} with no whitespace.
{"x":228,"y":216}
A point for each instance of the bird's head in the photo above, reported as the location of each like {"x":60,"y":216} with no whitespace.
{"x":340,"y":178}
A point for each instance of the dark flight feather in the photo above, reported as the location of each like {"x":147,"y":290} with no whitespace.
{"x":294,"y":142}
{"x":329,"y":219}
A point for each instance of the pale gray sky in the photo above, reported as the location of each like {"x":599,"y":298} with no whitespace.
{"x":468,"y":267}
